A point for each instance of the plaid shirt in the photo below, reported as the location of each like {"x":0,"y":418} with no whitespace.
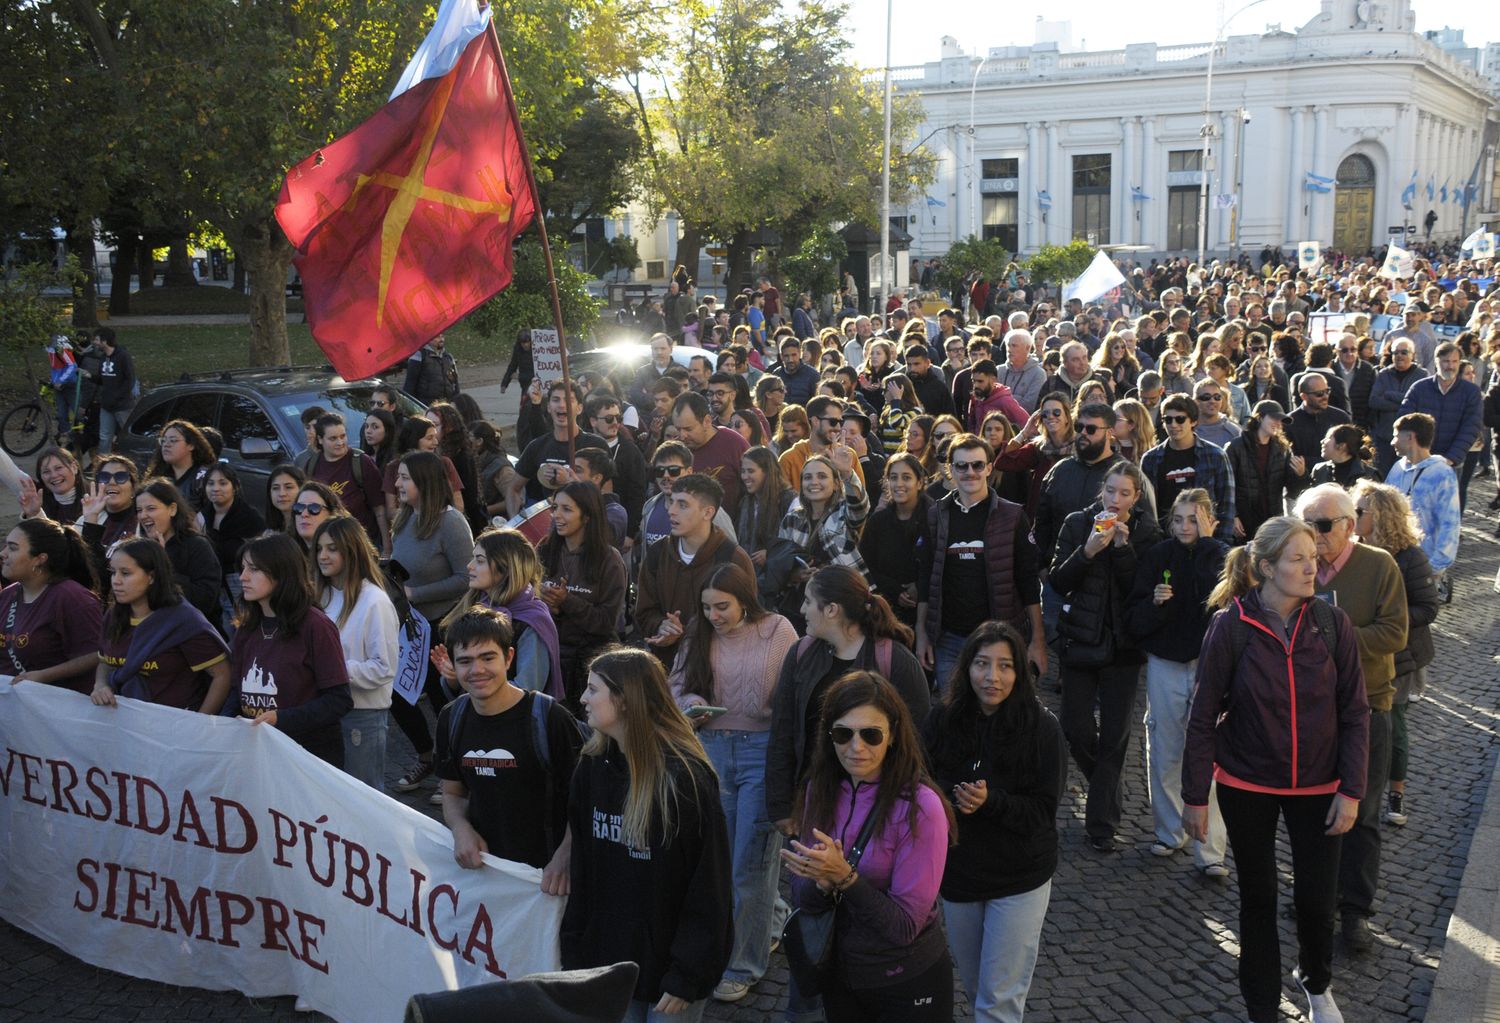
{"x":1212,"y":474}
{"x":835,"y":540}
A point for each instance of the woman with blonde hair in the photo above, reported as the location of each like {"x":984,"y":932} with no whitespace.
{"x":1135,"y":434}
{"x":1047,"y":438}
{"x":791,"y":426}
{"x":1114,"y":366}
{"x":651,"y":868}
{"x":1280,"y":723}
{"x":351,"y":591}
{"x":1384,"y":519}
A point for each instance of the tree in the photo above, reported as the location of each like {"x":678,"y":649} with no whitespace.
{"x":589,"y":176}
{"x":984,"y":256}
{"x":31,"y":306}
{"x":1054,"y":264}
{"x":526,"y":303}
{"x":814,"y":267}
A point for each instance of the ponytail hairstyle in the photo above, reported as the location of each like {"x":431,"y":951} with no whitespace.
{"x":67,"y":554}
{"x":1242,"y":568}
{"x":162,"y":591}
{"x":1353,"y":440}
{"x":842,"y":585}
{"x":1203,"y":509}
{"x":1129,"y":469}
{"x":656,"y":733}
{"x":280,"y":557}
{"x":698,"y":670}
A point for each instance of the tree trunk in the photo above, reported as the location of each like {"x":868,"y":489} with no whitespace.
{"x":179,"y":265}
{"x":86,"y":295}
{"x":690,"y":249}
{"x":267,"y":255}
{"x":119,"y":284}
{"x":239,"y":273}
{"x":739,"y":265}
{"x":145,"y":266}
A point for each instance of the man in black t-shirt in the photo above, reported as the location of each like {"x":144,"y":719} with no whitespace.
{"x":503,"y":793}
{"x":545,"y":464}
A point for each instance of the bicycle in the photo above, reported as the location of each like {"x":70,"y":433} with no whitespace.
{"x":29,"y":426}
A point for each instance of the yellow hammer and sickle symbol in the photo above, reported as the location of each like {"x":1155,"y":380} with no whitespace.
{"x":411,"y":188}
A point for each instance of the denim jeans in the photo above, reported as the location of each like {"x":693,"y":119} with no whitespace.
{"x":109,"y":425}
{"x":994,"y":945}
{"x":645,"y":1012}
{"x":739,"y":759}
{"x":949,"y":646}
{"x":364,"y":745}
{"x":1169,"y":692}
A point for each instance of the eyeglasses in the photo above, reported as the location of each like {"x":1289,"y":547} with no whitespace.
{"x":978,"y":466}
{"x":720,"y":392}
{"x":1317,"y":394}
{"x":106,"y":478}
{"x":843,"y":736}
{"x":1174,"y":420}
{"x":1210,"y":397}
{"x":311,"y":508}
{"x":830,"y":420}
{"x":1092,"y":428}
{"x":1052,"y":413}
{"x":1401,"y":353}
{"x":673,"y":471}
{"x":1347,"y":351}
{"x":1325,"y":525}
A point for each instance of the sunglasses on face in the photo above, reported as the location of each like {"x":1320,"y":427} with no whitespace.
{"x":311,"y":508}
{"x":1210,"y":397}
{"x":977,"y":466}
{"x":1324,"y":525}
{"x":1317,"y":394}
{"x":106,"y":478}
{"x":843,"y":736}
{"x":1051,"y":413}
{"x":830,"y":420}
{"x":1177,"y":420}
{"x":611,"y":420}
{"x":1347,"y":351}
{"x":673,"y":471}
{"x":1092,"y":429}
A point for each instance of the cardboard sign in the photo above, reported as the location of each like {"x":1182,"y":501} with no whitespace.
{"x":546,"y":355}
{"x":411,"y":664}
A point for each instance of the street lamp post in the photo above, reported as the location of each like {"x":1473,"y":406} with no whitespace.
{"x":885,"y":175}
{"x":973,"y":145}
{"x":1207,"y":131}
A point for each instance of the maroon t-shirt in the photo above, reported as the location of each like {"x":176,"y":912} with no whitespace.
{"x":720,"y":459}
{"x":175,"y":675}
{"x":63,"y":623}
{"x":276,"y":671}
{"x":361,"y":497}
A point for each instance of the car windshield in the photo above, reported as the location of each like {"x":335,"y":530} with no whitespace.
{"x":352,"y":401}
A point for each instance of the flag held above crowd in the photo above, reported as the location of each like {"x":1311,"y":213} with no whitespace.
{"x":1309,"y":255}
{"x":1101,"y":277}
{"x":405,"y":225}
{"x":1398,"y":263}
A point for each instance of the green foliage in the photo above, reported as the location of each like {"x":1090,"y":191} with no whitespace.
{"x":34,"y":303}
{"x":985,"y":255}
{"x":1055,"y":264}
{"x":525,"y":304}
{"x":814,"y":267}
{"x":623,"y":253}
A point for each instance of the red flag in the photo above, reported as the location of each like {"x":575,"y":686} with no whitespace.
{"x":405,"y":225}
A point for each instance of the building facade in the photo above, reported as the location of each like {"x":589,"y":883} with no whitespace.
{"x":1313,"y":135}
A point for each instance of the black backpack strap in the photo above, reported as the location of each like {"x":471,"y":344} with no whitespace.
{"x":456,"y":711}
{"x":1327,"y":623}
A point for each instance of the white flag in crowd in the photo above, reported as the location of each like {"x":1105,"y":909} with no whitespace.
{"x":1309,"y":255}
{"x":1399,"y":262}
{"x":1101,"y":277}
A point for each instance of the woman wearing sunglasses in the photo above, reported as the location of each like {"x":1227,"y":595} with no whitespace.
{"x":1093,"y":569}
{"x":1301,"y":759}
{"x":650,"y":871}
{"x":316,"y":503}
{"x":866,"y":764}
{"x":109,"y":505}
{"x":1046,"y":439}
{"x":1000,"y":755}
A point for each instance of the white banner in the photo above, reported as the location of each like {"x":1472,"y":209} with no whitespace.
{"x":210,"y":853}
{"x":1309,"y":255}
{"x":546,"y":355}
{"x":1399,"y":262}
{"x":1327,"y":326}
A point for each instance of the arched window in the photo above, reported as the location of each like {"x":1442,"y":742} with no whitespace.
{"x":1356,"y":171}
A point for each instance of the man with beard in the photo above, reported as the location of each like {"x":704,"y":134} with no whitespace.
{"x":825,"y":420}
{"x":988,"y":395}
{"x":1074,"y":482}
{"x":1184,"y":461}
{"x":1453,"y":402}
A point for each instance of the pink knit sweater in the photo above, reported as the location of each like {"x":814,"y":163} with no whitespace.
{"x":746,"y":662}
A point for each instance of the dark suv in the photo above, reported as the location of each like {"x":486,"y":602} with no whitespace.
{"x":257,"y":411}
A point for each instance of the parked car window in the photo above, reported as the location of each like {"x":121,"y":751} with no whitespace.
{"x":241,"y":417}
{"x":152,"y":418}
{"x":198,"y":407}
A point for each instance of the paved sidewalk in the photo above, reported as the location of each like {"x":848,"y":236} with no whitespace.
{"x":1129,"y":937}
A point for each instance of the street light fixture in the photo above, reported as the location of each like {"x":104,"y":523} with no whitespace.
{"x":973,"y":145}
{"x":1207,"y":131}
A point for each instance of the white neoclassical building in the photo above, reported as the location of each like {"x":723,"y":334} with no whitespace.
{"x":1314,"y":135}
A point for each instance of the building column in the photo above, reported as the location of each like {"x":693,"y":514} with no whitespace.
{"x":1120,"y":180}
{"x":1292,"y":225}
{"x":1223,"y":181}
{"x":1445,"y":172}
{"x":1317,"y":206}
{"x":1146,"y":224}
{"x":1030,"y":233}
{"x":1054,"y":178}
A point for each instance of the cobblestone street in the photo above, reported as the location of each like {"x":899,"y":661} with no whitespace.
{"x":1129,"y":937}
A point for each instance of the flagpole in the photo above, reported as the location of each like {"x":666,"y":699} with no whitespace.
{"x":541,"y":224}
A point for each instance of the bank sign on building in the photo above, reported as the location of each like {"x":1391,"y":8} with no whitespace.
{"x":1344,"y":131}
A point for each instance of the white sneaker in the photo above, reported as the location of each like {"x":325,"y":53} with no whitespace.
{"x":436,"y":799}
{"x":1163,"y":849}
{"x":730,"y":990}
{"x":1320,"y":1008}
{"x":1215,"y":871}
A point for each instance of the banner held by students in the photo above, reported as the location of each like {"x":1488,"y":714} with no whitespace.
{"x":209,"y":852}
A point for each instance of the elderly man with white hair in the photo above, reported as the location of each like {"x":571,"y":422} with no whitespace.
{"x":1365,"y":583}
{"x":1073,"y":372}
{"x":1021,"y":371}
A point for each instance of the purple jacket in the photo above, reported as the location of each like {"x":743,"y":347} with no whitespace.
{"x":1288,"y":721}
{"x":888,"y":927}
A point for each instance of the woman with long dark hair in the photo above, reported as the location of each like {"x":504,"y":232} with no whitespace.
{"x":351,"y":591}
{"x":453,"y":444}
{"x":109,"y":505}
{"x":764,"y":502}
{"x":730,"y":658}
{"x":287,"y":661}
{"x":378,"y":437}
{"x":63,"y":486}
{"x":583,"y":580}
{"x":281,"y":493}
{"x":651,"y":867}
{"x":183,"y":455}
{"x":166,"y":517}
{"x":418,"y":433}
{"x":156,"y":646}
{"x":504,"y":576}
{"x":1001,"y":756}
{"x":49,"y":609}
{"x":228,"y":521}
{"x":891,"y":534}
{"x":867,"y":766}
{"x":1093,"y":569}
{"x":918,"y":442}
{"x":1261,"y":460}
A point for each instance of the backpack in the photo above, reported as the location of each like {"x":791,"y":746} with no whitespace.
{"x":884,"y":651}
{"x":541,"y":707}
{"x":1323,"y":618}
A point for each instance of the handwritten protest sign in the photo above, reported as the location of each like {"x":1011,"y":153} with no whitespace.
{"x":209,"y":852}
{"x":546,"y":355}
{"x":411,"y":663}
